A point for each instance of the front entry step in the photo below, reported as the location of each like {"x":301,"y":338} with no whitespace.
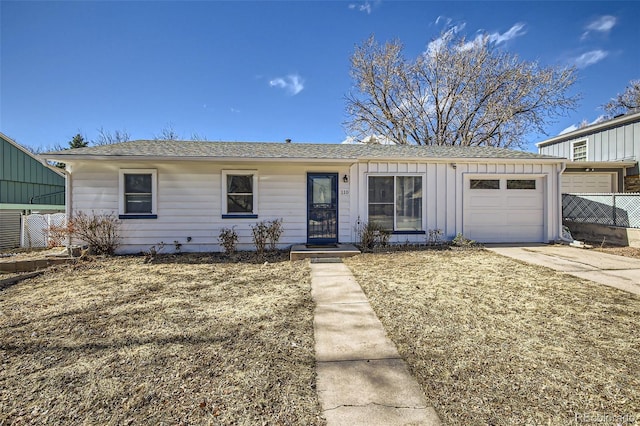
{"x":306,"y":251}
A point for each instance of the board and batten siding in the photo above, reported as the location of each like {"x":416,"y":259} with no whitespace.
{"x":443,"y":189}
{"x":23,"y":178}
{"x":620,"y":143}
{"x":189,"y":202}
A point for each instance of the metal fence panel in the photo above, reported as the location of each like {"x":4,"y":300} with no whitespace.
{"x":605,"y":209}
{"x":35,"y":233}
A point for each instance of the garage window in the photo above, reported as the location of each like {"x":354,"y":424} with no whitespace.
{"x":395,"y":202}
{"x":521,"y":184}
{"x":484,"y":183}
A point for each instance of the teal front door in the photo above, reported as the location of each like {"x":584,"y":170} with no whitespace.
{"x":322,"y":208}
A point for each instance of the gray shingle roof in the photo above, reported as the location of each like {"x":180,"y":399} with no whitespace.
{"x":264,"y":150}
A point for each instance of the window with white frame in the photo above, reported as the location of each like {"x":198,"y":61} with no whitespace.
{"x":239,"y":193}
{"x":395,"y":202}
{"x":138,"y":193}
{"x":579,"y":151}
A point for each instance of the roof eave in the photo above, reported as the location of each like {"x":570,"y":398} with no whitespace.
{"x":630,"y":118}
{"x":76,"y":157}
{"x":600,"y":164}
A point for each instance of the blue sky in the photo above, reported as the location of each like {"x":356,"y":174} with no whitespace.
{"x":267,"y":70}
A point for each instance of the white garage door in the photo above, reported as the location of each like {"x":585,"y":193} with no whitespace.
{"x":573,"y":183}
{"x":504,"y":210}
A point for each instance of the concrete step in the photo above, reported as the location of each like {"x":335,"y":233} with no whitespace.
{"x":306,"y":251}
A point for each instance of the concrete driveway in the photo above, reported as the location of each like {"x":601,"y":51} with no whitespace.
{"x":608,"y":269}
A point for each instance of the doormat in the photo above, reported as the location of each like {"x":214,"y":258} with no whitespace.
{"x":321,"y":246}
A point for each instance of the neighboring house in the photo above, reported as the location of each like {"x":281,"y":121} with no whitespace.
{"x":603,"y":157}
{"x":26,"y":185}
{"x":186,"y":192}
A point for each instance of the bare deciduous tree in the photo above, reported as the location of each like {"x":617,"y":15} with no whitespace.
{"x":168,"y":133}
{"x":106,"y":137}
{"x":455,"y":93}
{"x":627,"y":101}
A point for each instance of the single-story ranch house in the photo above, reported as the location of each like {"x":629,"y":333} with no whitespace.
{"x":186,"y":192}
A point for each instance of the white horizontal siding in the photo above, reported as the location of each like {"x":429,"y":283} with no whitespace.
{"x":190,"y":199}
{"x":190,"y":202}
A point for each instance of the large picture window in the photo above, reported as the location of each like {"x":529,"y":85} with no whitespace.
{"x":395,"y":202}
{"x":138,"y":193}
{"x":240,"y":188}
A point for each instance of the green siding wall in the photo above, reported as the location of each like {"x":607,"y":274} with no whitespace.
{"x":23,"y":177}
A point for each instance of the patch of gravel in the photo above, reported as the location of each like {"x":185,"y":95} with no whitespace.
{"x":494,"y":341}
{"x":192,"y":339}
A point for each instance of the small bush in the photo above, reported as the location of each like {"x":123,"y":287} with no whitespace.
{"x":434,"y":237}
{"x":266,"y":232}
{"x":462,"y":241}
{"x":373,"y":235}
{"x":229,"y":239}
{"x":260,"y":233}
{"x":101,"y":232}
{"x":274,"y":232}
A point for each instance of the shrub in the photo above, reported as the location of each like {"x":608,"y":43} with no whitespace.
{"x":101,"y":232}
{"x":260,"y":233}
{"x":462,"y":241}
{"x":267,"y":231}
{"x":434,"y":237}
{"x":274,"y":232}
{"x":373,"y":235}
{"x":229,"y":239}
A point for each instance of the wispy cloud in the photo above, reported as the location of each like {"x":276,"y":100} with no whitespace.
{"x":590,"y":58}
{"x":496,"y":37}
{"x":366,"y":7}
{"x":292,"y":83}
{"x":603,"y":24}
{"x":435,"y":45}
{"x":442,"y":18}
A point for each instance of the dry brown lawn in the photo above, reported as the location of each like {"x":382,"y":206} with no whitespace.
{"x":184,"y":340}
{"x":494,"y":341}
{"x":620,"y":251}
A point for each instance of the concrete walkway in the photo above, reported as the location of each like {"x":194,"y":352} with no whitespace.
{"x":361,"y":378}
{"x":608,"y":269}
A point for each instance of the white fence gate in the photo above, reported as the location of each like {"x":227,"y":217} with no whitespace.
{"x":35,"y":229}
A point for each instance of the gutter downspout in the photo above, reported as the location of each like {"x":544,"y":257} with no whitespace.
{"x":561,"y":228}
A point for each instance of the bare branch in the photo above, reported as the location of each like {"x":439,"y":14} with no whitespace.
{"x":627,"y":101}
{"x":455,"y":93}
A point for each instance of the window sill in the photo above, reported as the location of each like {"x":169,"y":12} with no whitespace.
{"x":239,"y":216}
{"x":138,"y":216}
{"x":408,"y":232}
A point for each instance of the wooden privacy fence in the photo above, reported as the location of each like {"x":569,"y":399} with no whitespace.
{"x":614,"y":209}
{"x":35,"y":229}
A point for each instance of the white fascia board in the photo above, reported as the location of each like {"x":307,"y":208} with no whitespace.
{"x":72,"y":158}
{"x":600,"y":164}
{"x":465,"y":160}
